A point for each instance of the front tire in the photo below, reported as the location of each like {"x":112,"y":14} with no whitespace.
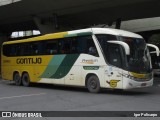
{"x":26,"y":80}
{"x":93,"y":84}
{"x":17,"y":79}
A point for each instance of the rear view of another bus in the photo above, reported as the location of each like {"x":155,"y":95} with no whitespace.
{"x":155,"y":64}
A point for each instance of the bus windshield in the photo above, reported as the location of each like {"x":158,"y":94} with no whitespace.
{"x":139,"y":59}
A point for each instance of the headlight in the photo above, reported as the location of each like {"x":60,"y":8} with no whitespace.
{"x":137,"y":79}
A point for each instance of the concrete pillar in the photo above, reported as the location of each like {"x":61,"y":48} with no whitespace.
{"x":118,"y":23}
{"x":3,"y":38}
{"x":46,"y":26}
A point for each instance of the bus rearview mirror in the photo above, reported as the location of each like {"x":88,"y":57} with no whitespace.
{"x":155,"y":47}
{"x":125,"y":46}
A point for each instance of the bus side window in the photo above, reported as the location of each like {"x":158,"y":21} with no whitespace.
{"x":87,"y":45}
{"x":7,"y":50}
{"x":51,"y":47}
{"x":25,"y":49}
{"x":74,"y":46}
{"x":91,"y":48}
{"x":65,"y":46}
{"x":13,"y":50}
{"x":36,"y":48}
{"x":17,"y":49}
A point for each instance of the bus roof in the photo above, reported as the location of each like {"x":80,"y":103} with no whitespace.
{"x":78,"y":33}
{"x":116,"y":32}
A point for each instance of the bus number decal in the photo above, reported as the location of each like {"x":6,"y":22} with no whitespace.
{"x":113,"y":83}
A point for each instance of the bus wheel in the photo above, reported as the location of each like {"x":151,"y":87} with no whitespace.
{"x":93,"y":84}
{"x":17,"y":79}
{"x":25,"y":80}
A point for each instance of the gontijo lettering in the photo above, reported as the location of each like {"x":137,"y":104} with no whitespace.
{"x":29,"y":61}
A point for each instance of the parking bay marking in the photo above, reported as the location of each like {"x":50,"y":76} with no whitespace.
{"x":29,"y":95}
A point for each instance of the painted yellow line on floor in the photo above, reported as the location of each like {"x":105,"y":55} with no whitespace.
{"x":29,"y":95}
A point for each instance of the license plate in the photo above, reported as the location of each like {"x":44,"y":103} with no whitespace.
{"x":143,"y":84}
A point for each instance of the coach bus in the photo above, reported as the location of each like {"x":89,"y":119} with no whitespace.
{"x":94,"y":58}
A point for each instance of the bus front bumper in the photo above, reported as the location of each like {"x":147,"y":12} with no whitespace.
{"x":130,"y":84}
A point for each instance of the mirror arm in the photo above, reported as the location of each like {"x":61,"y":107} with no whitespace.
{"x":155,"y":47}
{"x":125,"y":45}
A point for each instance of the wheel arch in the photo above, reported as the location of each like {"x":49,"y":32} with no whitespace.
{"x":24,"y":72}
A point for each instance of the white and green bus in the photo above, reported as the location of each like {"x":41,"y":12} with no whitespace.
{"x":94,"y":58}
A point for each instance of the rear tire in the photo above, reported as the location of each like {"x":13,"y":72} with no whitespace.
{"x":17,"y":79}
{"x":25,"y":80}
{"x":93,"y":84}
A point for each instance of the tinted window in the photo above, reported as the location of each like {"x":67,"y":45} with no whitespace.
{"x":25,"y":49}
{"x":112,"y":52}
{"x":65,"y":46}
{"x":6,"y":50}
{"x":86,"y":45}
{"x":114,"y":55}
{"x":51,"y":47}
{"x":70,"y":45}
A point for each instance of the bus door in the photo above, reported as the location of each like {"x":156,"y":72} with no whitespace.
{"x":74,"y":76}
{"x":114,"y":59}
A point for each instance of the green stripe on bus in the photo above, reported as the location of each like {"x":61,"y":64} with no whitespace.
{"x":84,"y":33}
{"x":70,"y":35}
{"x":53,"y":66}
{"x":65,"y":66}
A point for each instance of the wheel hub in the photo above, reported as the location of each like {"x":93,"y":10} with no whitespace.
{"x":93,"y":84}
